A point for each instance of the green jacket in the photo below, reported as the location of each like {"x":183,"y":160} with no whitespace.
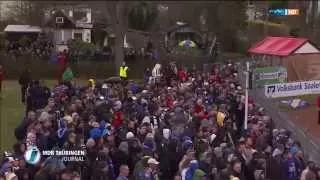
{"x":67,"y":75}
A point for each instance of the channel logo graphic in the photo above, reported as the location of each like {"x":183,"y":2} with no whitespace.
{"x":32,"y":155}
{"x":284,"y":12}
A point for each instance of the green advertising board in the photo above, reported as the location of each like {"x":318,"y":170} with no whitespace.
{"x":269,"y":75}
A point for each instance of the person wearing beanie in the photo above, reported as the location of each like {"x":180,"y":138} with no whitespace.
{"x":90,"y":143}
{"x":130,"y":135}
{"x":149,"y":146}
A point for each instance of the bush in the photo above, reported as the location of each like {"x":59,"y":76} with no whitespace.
{"x":81,"y":49}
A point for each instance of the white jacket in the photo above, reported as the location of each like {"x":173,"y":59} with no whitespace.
{"x":156,"y":70}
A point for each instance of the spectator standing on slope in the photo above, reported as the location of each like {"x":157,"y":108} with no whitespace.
{"x":24,"y":81}
{"x":67,"y":75}
{"x":62,"y":61}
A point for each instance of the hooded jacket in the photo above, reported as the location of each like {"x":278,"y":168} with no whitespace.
{"x":193,"y":166}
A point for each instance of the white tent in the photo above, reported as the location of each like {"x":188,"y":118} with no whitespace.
{"x":22,"y":28}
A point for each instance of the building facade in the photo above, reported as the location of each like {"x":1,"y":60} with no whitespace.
{"x":68,"y":24}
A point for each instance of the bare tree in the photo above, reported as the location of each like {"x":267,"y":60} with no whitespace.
{"x":118,"y":14}
{"x":27,"y":12}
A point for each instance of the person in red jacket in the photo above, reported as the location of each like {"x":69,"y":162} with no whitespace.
{"x":62,"y":61}
{"x":118,"y":119}
{"x":169,"y":102}
{"x":198,"y":107}
{"x":1,"y":77}
{"x":118,"y":115}
{"x":183,"y":76}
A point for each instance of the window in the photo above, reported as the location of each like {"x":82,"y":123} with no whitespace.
{"x":77,"y":36}
{"x":80,"y":16}
{"x":59,"y":20}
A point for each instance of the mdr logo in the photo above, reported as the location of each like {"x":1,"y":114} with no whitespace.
{"x":32,"y":155}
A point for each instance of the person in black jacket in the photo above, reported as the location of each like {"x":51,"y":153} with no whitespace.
{"x":24,"y":81}
{"x":37,"y":96}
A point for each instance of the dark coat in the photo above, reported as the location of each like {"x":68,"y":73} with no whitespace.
{"x":25,"y":80}
{"x":38,"y":97}
{"x":21,"y":131}
{"x":275,"y":169}
{"x":169,"y":160}
{"x":119,"y":158}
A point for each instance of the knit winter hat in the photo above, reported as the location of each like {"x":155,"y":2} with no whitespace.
{"x":129,"y":135}
{"x":90,"y":143}
{"x":276,"y":152}
{"x":95,"y":133}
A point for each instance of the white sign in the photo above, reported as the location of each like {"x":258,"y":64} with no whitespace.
{"x":292,"y":89}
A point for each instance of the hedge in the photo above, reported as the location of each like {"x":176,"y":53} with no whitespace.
{"x":41,"y":69}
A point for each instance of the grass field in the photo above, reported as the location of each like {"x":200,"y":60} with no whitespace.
{"x":12,"y":112}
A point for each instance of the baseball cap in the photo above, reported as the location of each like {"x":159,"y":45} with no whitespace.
{"x":153,"y":161}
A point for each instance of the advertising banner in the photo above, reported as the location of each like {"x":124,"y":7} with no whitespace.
{"x":292,"y":89}
{"x":269,"y":75}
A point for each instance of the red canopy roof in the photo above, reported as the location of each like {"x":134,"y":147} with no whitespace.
{"x":277,"y":46}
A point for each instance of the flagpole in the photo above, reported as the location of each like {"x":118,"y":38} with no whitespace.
{"x":247,"y":97}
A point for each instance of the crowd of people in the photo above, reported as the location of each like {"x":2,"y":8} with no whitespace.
{"x":41,"y":47}
{"x":179,"y":125}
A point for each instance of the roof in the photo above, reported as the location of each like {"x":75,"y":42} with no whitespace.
{"x":22,"y":28}
{"x":175,"y":27}
{"x":277,"y":46}
{"x":68,"y":23}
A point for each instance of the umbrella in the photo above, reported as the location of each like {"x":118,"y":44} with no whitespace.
{"x":113,"y":79}
{"x":187,"y":43}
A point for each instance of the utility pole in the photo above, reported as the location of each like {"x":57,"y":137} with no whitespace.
{"x":314,"y":17}
{"x":266,"y":19}
{"x":247,"y":97}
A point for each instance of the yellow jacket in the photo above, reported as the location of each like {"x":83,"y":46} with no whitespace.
{"x":123,"y":71}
